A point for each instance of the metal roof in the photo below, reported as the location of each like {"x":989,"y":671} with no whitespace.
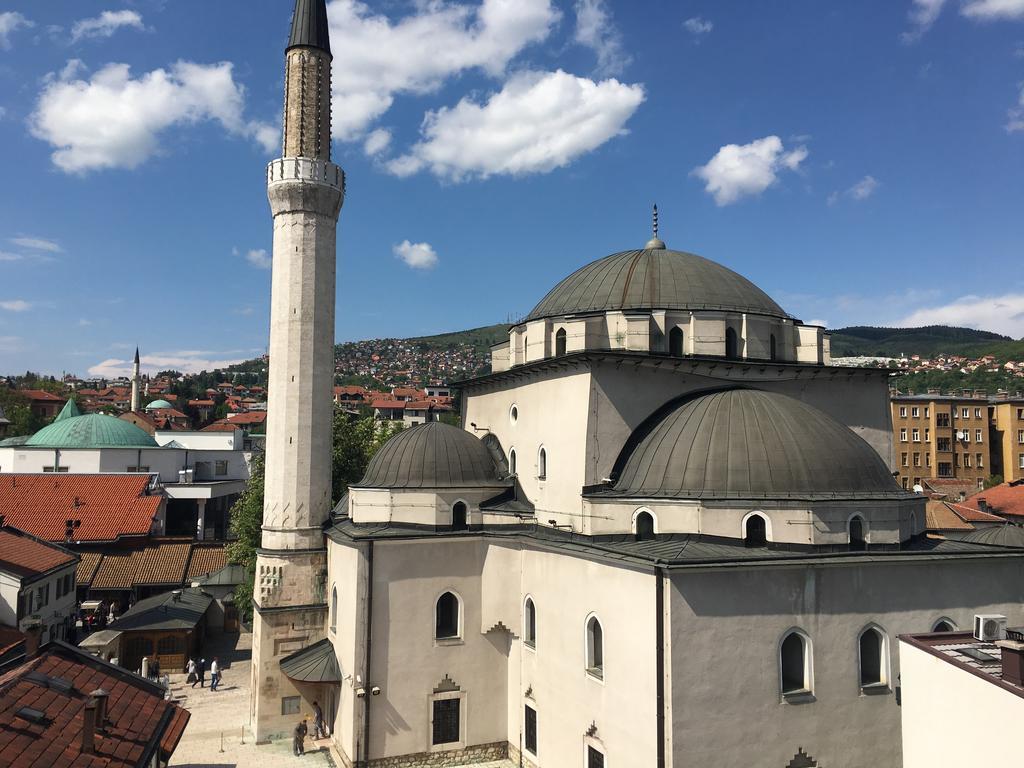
{"x":747,"y":443}
{"x":654,"y":279}
{"x":93,"y":430}
{"x":313,"y":664}
{"x":1001,"y":535}
{"x":309,"y":25}
{"x":431,"y":455}
{"x":166,"y":611}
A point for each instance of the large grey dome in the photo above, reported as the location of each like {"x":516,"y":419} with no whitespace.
{"x":750,"y":444}
{"x":655,"y":278}
{"x":431,"y":455}
{"x":1002,"y":535}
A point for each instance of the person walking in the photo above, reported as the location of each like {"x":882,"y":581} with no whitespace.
{"x":201,"y":671}
{"x":214,"y":674}
{"x":319,"y":732}
{"x":298,"y":737}
{"x":191,"y":670}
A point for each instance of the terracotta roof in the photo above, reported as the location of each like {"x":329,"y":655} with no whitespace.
{"x":117,"y":571}
{"x":25,"y":555}
{"x":220,"y":426}
{"x":109,"y":506}
{"x":139,"y":721}
{"x":162,"y":563}
{"x":350,"y":390}
{"x":972,"y":515}
{"x":1006,"y":499}
{"x":206,"y":559}
{"x":201,"y":403}
{"x":384,"y":404}
{"x":940,"y":517}
{"x":10,"y":639}
{"x":87,"y":566}
{"x":41,"y":395}
{"x":253,"y":417}
{"x":423,"y":405}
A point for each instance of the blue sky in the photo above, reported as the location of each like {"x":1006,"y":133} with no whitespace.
{"x":860,"y":161}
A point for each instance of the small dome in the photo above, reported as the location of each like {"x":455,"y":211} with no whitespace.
{"x":749,"y":444}
{"x":93,"y":430}
{"x":431,"y":455}
{"x":1000,"y":535}
{"x":655,"y":278}
{"x":156,"y":404}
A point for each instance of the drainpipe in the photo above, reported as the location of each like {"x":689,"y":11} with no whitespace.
{"x":659,"y":662}
{"x":369,"y":638}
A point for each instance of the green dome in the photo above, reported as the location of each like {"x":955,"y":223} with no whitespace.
{"x":158,"y":404}
{"x":93,"y":430}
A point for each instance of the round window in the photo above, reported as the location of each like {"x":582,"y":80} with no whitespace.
{"x":513,"y":414}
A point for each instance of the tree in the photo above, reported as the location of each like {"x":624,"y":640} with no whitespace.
{"x":246,"y":520}
{"x":18,"y":411}
{"x":355,"y":442}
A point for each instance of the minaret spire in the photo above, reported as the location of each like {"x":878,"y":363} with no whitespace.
{"x":307,"y":83}
{"x":309,"y":25}
{"x":655,"y":242}
{"x":136,"y":381}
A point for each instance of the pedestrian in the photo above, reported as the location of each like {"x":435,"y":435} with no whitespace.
{"x":191,"y":670}
{"x":154,"y":669}
{"x":201,"y":671}
{"x":214,"y":674}
{"x":319,"y":732}
{"x":298,"y":737}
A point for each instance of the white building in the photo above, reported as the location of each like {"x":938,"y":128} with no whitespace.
{"x":37,"y":585}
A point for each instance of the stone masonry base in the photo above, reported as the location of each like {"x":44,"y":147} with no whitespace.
{"x":481,"y":753}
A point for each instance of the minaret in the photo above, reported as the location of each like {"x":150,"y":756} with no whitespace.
{"x":306,"y":191}
{"x":136,"y":380}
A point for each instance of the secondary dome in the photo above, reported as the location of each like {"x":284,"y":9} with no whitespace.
{"x":745,"y":443}
{"x":156,"y":404}
{"x":654,"y":278}
{"x":1002,"y":535}
{"x":431,"y":455}
{"x":93,"y":430}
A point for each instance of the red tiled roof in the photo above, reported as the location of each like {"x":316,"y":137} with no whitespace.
{"x":407,"y":392}
{"x":423,"y":405}
{"x":206,"y":559}
{"x":26,"y":555}
{"x":163,"y":563}
{"x":220,"y":426}
{"x":137,"y":714}
{"x":41,"y":395}
{"x":1006,"y":499}
{"x":87,"y":566}
{"x":350,"y":389}
{"x":201,"y":403}
{"x":253,"y":417}
{"x":384,"y":404}
{"x":109,"y":506}
{"x":972,"y":515}
{"x":10,"y":638}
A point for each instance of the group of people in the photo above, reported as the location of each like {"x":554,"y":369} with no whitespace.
{"x":301,"y":730}
{"x":197,"y":673}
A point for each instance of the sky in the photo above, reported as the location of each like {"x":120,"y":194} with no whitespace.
{"x":862,"y":161}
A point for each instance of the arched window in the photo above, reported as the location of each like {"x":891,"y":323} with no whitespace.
{"x":530,"y":623}
{"x":459,"y":522}
{"x":560,"y":342}
{"x":731,"y":345}
{"x":913,"y":523}
{"x":446,"y":624}
{"x":542,"y":463}
{"x":512,"y":461}
{"x":755,"y":531}
{"x":872,"y":652}
{"x":334,"y":609}
{"x":944,"y":625}
{"x":675,"y":342}
{"x":794,"y":662}
{"x":526,"y":348}
{"x":595,"y":648}
{"x":858,"y":540}
{"x":644,"y":526}
{"x":772,"y":351}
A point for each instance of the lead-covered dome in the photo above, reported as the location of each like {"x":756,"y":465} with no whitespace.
{"x":749,"y":444}
{"x":93,"y":430}
{"x":431,"y":455}
{"x":654,"y":278}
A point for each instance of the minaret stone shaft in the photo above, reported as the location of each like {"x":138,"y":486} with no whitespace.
{"x":306,"y":192}
{"x":136,"y":382}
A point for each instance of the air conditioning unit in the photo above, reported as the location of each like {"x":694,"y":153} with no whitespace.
{"x":989,"y":627}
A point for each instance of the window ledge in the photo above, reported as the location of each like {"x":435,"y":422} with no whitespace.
{"x":596,"y":675}
{"x":530,"y":646}
{"x":799,"y":697}
{"x":444,"y":641}
{"x":875,"y":689}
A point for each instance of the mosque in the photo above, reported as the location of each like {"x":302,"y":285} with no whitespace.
{"x":667,"y":534}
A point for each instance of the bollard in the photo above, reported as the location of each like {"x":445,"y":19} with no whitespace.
{"x":243,"y":735}
{"x":222,"y":741}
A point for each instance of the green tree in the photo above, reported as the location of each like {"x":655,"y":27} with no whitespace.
{"x":246,"y":520}
{"x":18,"y":411}
{"x":355,"y":442}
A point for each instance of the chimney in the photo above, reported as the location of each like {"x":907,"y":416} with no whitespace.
{"x":1012,"y":651}
{"x":101,"y":697}
{"x":33,"y":634}
{"x":983,"y":505}
{"x":89,"y":727}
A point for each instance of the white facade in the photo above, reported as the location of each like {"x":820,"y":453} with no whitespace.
{"x":42,"y":600}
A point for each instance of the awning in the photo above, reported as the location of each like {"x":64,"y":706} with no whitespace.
{"x":315,"y":664}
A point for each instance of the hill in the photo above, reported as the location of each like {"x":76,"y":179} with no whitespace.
{"x":927,"y":341}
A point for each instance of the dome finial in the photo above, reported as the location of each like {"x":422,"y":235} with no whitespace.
{"x":655,"y":241}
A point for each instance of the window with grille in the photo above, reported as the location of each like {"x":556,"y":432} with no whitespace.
{"x":530,"y":729}
{"x":595,"y":759}
{"x":446,"y":721}
{"x":290,"y":705}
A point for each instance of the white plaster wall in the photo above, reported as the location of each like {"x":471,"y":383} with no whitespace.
{"x":9,"y":587}
{"x":941,"y":701}
{"x":87,"y":461}
{"x":417,"y":506}
{"x":347,"y":574}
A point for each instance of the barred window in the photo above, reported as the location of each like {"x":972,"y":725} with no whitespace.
{"x":446,"y":721}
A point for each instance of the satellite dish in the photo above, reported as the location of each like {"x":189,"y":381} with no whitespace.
{"x":918,"y":488}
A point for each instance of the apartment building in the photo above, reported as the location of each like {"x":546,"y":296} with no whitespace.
{"x":1008,"y":434}
{"x":941,"y":436}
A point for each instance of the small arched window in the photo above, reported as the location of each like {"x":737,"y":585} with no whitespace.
{"x":944,"y":625}
{"x":530,"y":623}
{"x":446,"y":623}
{"x":731,"y":344}
{"x":512,"y":461}
{"x":526,"y":348}
{"x":858,"y":540}
{"x":560,"y":342}
{"x":644,"y":526}
{"x":794,"y":661}
{"x":872,"y":657}
{"x":595,"y":648}
{"x":772,"y":351}
{"x":542,"y":463}
{"x":334,"y":609}
{"x":675,"y":342}
{"x":755,"y":531}
{"x":459,"y":522}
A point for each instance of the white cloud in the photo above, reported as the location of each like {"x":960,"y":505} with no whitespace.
{"x":1002,"y":314}
{"x":539,"y":121}
{"x":259,"y":258}
{"x":595,"y":30}
{"x":987,"y":10}
{"x":186,"y":361}
{"x":922,"y":14}
{"x":10,"y":22}
{"x":862,"y":190}
{"x":115,"y":121}
{"x":416,"y":255}
{"x":6,"y":256}
{"x":37,"y":244}
{"x":738,"y":170}
{"x":375,"y":59}
{"x":105,"y":25}
{"x":377,"y":141}
{"x":16,"y":305}
{"x":698,"y":26}
{"x":1015,"y":115}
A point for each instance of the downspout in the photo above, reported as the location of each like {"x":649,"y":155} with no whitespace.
{"x":659,"y":661}
{"x":369,"y":636}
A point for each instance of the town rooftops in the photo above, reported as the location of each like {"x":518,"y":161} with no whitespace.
{"x":42,"y":703}
{"x":1006,"y":499}
{"x":30,"y":558}
{"x":168,"y":563}
{"x":41,"y":396}
{"x":960,"y":649}
{"x":108,"y":506}
{"x":178,"y":609}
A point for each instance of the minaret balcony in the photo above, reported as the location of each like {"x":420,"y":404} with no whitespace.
{"x":307,"y":170}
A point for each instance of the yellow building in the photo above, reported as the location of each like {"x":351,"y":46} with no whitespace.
{"x":1008,"y":437}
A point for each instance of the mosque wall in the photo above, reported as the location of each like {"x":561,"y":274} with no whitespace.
{"x":428,"y":506}
{"x":346,"y":626}
{"x":726,"y":631}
